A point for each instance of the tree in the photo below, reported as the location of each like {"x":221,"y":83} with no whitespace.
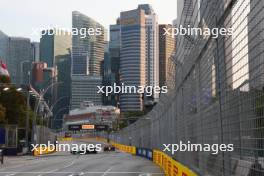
{"x":15,"y":105}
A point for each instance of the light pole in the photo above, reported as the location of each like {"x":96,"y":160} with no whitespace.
{"x":28,"y":107}
{"x":34,"y":137}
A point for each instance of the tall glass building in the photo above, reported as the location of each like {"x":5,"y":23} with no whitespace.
{"x":87,"y":55}
{"x":133,"y":57}
{"x":19,"y":59}
{"x":87,"y":50}
{"x":152,"y":50}
{"x":54,"y":44}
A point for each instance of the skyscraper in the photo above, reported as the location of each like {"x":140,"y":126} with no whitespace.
{"x":84,"y":88}
{"x":87,"y":56}
{"x":152,"y":49}
{"x":35,"y":51}
{"x":19,"y":59}
{"x":133,"y":57}
{"x":55,"y":50}
{"x":114,"y":53}
{"x":88,"y":50}
{"x":166,"y":49}
{"x":54,"y":44}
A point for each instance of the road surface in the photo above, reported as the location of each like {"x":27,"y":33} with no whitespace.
{"x":65,"y":164}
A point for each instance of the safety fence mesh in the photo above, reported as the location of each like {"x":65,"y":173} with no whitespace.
{"x":216,"y":93}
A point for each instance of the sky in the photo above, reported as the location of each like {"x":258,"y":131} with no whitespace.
{"x":21,"y":17}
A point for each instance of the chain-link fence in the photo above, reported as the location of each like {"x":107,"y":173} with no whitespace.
{"x":217,"y":92}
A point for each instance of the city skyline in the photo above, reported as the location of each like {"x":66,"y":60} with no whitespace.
{"x":48,"y":15}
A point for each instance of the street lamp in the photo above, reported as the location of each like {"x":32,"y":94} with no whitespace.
{"x":41,"y":95}
{"x":6,"y":89}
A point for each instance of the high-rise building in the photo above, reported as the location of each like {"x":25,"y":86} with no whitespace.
{"x":84,"y":88}
{"x":114,"y":54}
{"x":87,"y":56}
{"x":88,"y":50}
{"x":35,"y":51}
{"x":255,"y":46}
{"x":16,"y":53}
{"x":166,"y":49}
{"x":133,"y":57}
{"x":53,"y":44}
{"x":62,"y":105}
{"x":19,"y":59}
{"x":152,"y":49}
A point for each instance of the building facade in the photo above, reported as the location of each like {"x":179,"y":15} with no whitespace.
{"x":152,"y":49}
{"x":166,"y":50}
{"x":133,"y":57}
{"x":114,"y":54}
{"x":35,"y":51}
{"x":87,"y":56}
{"x":84,"y":88}
{"x":87,"y":51}
{"x":19,"y":59}
{"x":54,"y":44}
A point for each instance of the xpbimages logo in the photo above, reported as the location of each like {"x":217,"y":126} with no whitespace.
{"x":63,"y":31}
{"x":189,"y":147}
{"x":124,"y":89}
{"x":192,"y":31}
{"x":81,"y":148}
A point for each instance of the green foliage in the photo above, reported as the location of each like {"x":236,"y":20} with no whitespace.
{"x":123,"y":124}
{"x":134,"y":114}
{"x":15,"y":105}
